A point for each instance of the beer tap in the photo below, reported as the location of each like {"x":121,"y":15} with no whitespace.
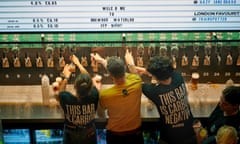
{"x":219,"y":59}
{"x":206,"y":60}
{"x":174,"y":53}
{"x":151,"y":50}
{"x":50,"y":60}
{"x":184,"y":61}
{"x":238,"y":60}
{"x":27,"y":61}
{"x":72,"y":66}
{"x":84,"y":61}
{"x":207,"y":48}
{"x":207,"y":57}
{"x":140,"y":53}
{"x":195,"y":61}
{"x":140,"y":49}
{"x":152,"y":46}
{"x":174,"y":61}
{"x":163,"y":50}
{"x":39,"y":61}
{"x":229,"y":60}
{"x":16,"y":61}
{"x":61,"y":60}
{"x":5,"y":61}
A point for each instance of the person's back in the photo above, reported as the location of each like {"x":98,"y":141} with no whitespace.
{"x":170,"y":97}
{"x":79,"y":126}
{"x":122,"y":102}
{"x":176,"y":119}
{"x":79,"y":108}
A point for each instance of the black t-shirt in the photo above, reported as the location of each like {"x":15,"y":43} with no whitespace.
{"x":79,"y":112}
{"x":175,"y":114}
{"x":217,"y":119}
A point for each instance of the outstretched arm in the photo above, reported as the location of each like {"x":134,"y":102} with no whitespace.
{"x":62,"y":83}
{"x":99,"y":59}
{"x":131,"y":65}
{"x":97,"y":81}
{"x":76,"y":61}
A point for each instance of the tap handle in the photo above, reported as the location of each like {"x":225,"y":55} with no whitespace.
{"x":39,"y":62}
{"x":206,"y":61}
{"x":27,"y":61}
{"x":238,"y":60}
{"x":195,"y":61}
{"x":229,"y":60}
{"x":16,"y":61}
{"x":219,"y":59}
{"x":5,"y":62}
{"x":50,"y":61}
{"x":174,"y":61}
{"x":61,"y":61}
{"x":184,"y":60}
{"x":84,"y":61}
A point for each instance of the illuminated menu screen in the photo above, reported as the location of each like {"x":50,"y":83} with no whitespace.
{"x":118,"y":15}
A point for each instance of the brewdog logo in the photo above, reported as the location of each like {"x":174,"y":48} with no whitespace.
{"x":174,"y":106}
{"x":80,"y":115}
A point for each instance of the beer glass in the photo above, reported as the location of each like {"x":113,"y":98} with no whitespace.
{"x":194,"y":81}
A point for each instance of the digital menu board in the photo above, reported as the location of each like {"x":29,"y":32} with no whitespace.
{"x":118,"y":15}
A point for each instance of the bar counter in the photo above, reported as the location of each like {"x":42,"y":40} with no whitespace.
{"x":23,"y":105}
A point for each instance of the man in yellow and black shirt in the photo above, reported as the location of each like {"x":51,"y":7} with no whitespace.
{"x":122,"y":102}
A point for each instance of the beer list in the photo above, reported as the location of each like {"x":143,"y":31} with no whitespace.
{"x":118,"y":15}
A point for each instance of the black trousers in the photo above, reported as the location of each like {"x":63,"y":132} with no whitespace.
{"x":128,"y":137}
{"x":80,"y":135}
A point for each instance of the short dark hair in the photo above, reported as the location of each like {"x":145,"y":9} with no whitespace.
{"x":116,"y":67}
{"x":83,"y":84}
{"x":232,"y":95}
{"x":160,"y":67}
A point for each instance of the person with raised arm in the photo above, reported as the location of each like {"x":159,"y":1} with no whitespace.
{"x":122,"y":101}
{"x":80,"y":107}
{"x":169,"y":94}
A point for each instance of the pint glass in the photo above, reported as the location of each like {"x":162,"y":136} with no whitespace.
{"x":194,"y":81}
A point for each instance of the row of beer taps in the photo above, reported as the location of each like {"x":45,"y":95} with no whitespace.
{"x":151,"y":50}
{"x":39,"y":60}
{"x":185,"y":60}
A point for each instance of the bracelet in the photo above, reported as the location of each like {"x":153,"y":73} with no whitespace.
{"x":63,"y":77}
{"x":130,"y":65}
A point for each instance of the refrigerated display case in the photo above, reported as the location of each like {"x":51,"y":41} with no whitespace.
{"x":16,"y":136}
{"x":50,"y":136}
{"x":55,"y":136}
